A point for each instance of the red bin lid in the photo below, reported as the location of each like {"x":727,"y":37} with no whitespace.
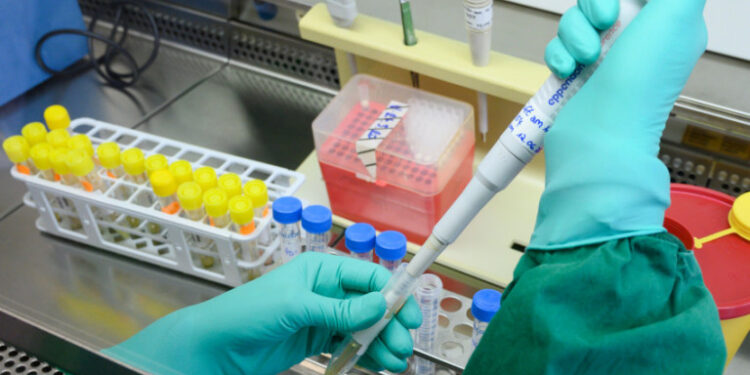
{"x":724,"y":262}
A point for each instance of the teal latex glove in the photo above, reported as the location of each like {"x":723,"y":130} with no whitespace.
{"x":603,"y":179}
{"x":272,"y":323}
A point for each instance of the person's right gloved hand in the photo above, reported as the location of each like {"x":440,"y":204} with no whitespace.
{"x":603,"y":178}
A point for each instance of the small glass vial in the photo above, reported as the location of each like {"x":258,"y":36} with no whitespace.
{"x":57,"y":117}
{"x":17,"y":149}
{"x":134,"y":165}
{"x":287,"y":211}
{"x":231,"y":183}
{"x":165,"y":187}
{"x":35,"y":133}
{"x":484,"y":305}
{"x":109,"y":157}
{"x":390,"y":247}
{"x":316,"y":221}
{"x":257,"y":191}
{"x":182,"y":171}
{"x":82,"y":166}
{"x":40,"y":153}
{"x":217,"y":208}
{"x":205,"y":177}
{"x":360,"y":240}
{"x":156,"y":162}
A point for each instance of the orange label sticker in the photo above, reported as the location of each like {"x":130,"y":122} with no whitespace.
{"x":247,"y":229}
{"x":87,"y":185}
{"x":111,"y":175}
{"x":171,"y":209}
{"x":23,"y":169}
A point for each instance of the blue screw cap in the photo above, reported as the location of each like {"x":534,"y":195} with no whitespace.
{"x":316,"y":219}
{"x":485,"y":304}
{"x":390,"y":245}
{"x":360,"y":238}
{"x":287,"y":210}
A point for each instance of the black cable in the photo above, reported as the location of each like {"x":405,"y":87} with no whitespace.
{"x":114,"y":48}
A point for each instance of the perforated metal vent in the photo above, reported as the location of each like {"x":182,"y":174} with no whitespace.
{"x":17,"y":362}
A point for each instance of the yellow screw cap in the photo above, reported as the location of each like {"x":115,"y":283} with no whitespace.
{"x":257,"y":191}
{"x":109,"y":155}
{"x":205,"y":177}
{"x":58,"y":158}
{"x":58,"y":138}
{"x":156,"y":162}
{"x":215,"y":201}
{"x":163,"y":183}
{"x":739,"y":216}
{"x":17,"y":148}
{"x":56,"y":117}
{"x":81,"y":142}
{"x":190,"y":195}
{"x":34,"y":133}
{"x":133,"y":161}
{"x":231,"y":183}
{"x":79,"y":163}
{"x":182,"y":171}
{"x":40,"y":153}
{"x":241,"y":210}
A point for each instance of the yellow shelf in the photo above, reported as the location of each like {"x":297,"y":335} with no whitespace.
{"x":506,"y":77}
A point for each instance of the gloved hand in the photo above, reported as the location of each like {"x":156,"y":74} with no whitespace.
{"x":268,"y":325}
{"x":604,"y":180}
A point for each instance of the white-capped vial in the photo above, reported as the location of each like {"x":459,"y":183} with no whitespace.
{"x":360,"y":241}
{"x":484,"y":305}
{"x":390,"y":247}
{"x":287,"y":211}
{"x":316,"y":221}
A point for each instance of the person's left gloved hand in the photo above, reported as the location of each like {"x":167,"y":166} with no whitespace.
{"x":270,"y":324}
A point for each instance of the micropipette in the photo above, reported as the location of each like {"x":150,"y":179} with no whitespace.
{"x":516,"y":147}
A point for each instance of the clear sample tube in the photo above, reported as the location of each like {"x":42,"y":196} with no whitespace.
{"x":360,"y":240}
{"x":109,"y":157}
{"x":156,"y":162}
{"x":17,"y":149}
{"x":165,"y":187}
{"x":58,"y":138}
{"x":484,"y":305}
{"x":205,"y":177}
{"x":82,"y":166}
{"x":35,"y":133}
{"x":134,"y":165}
{"x":231,"y":183}
{"x":390,"y":247}
{"x":182,"y":171}
{"x":57,"y":117}
{"x":241,"y":212}
{"x":190,"y":196}
{"x":478,"y":16}
{"x":428,"y":292}
{"x":217,"y":208}
{"x":40,"y":153}
{"x":58,"y":158}
{"x":81,"y":142}
{"x":257,"y":191}
{"x":287,"y":211}
{"x":317,"y":221}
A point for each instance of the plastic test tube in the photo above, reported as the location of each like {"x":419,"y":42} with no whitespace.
{"x":360,"y":240}
{"x":287,"y":211}
{"x":390,"y":247}
{"x":428,"y":292}
{"x":156,"y":162}
{"x":205,"y":177}
{"x":57,"y":117}
{"x":484,"y":305}
{"x":217,"y":208}
{"x":231,"y":183}
{"x":478,"y":16}
{"x":109,"y":157}
{"x":34,"y":133}
{"x":257,"y":191}
{"x":58,"y":158}
{"x":165,"y":187}
{"x":40,"y":153}
{"x":316,"y":221}
{"x":241,"y":212}
{"x":134,"y":165}
{"x":81,"y":165}
{"x":190,"y":196}
{"x":17,"y":149}
{"x":182,"y":171}
{"x":81,"y":142}
{"x":58,"y":138}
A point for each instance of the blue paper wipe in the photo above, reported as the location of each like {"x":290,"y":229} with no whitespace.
{"x":22,"y":24}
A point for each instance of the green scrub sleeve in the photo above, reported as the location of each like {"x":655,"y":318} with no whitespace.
{"x":635,"y":305}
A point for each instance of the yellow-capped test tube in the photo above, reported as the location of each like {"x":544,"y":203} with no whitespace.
{"x":156,"y":162}
{"x":57,"y":117}
{"x":82,"y":166}
{"x":231,"y":183}
{"x":58,"y":138}
{"x":205,"y":177}
{"x":182,"y":171}
{"x":108,"y":154}
{"x":165,"y":187}
{"x":59,"y":157}
{"x":81,"y":142}
{"x":17,"y":149}
{"x":257,"y":191}
{"x":34,"y":133}
{"x":134,"y":165}
{"x":217,"y":207}
{"x":40,"y":154}
{"x":241,"y":212}
{"x":190,"y":196}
